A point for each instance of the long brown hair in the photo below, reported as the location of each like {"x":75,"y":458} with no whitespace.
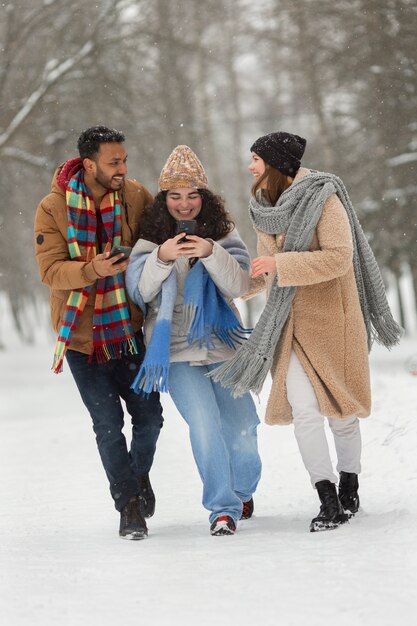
{"x":277,"y":183}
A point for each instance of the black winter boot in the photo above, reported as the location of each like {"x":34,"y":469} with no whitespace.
{"x":132,"y":523}
{"x":148,"y":497}
{"x":348,"y":492}
{"x":331,"y":513}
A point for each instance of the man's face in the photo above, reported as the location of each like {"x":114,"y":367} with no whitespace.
{"x":108,"y":169}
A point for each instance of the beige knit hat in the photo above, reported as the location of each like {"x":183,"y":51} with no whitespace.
{"x":182,"y":169}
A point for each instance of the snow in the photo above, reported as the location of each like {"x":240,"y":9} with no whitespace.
{"x":63,"y":564}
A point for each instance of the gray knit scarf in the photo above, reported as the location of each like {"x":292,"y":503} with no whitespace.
{"x":297,"y":213}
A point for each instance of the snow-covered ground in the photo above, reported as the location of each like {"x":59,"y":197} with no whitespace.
{"x":63,"y":564}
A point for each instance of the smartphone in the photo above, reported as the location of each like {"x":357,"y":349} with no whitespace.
{"x":188,"y":227}
{"x":126,"y":250}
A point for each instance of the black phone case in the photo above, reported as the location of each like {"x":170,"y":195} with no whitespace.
{"x":118,"y":250}
{"x":188,"y":227}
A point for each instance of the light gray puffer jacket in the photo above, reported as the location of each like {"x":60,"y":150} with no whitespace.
{"x":231,"y":279}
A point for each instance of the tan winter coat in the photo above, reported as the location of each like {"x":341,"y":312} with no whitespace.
{"x":325,"y":326}
{"x":62,"y":274}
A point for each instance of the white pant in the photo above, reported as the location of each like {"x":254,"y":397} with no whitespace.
{"x":310,"y":433}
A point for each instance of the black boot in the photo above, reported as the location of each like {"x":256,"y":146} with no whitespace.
{"x":132,"y":523}
{"x":331,"y":513}
{"x":147,"y":496}
{"x":348,"y":492}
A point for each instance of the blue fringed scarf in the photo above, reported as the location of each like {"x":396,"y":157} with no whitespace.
{"x":208,"y":314}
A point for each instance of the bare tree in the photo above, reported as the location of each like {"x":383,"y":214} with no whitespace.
{"x":45,"y":91}
{"x":213,"y":75}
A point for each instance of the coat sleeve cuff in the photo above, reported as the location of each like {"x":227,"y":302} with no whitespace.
{"x":89,"y":273}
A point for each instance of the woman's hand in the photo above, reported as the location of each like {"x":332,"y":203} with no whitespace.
{"x":192,"y":247}
{"x":197,"y":247}
{"x":263,"y":265}
{"x":171,"y":249}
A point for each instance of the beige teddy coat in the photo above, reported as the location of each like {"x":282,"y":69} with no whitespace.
{"x":325,"y":326}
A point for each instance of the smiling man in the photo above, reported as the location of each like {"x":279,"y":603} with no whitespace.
{"x":93,"y":207}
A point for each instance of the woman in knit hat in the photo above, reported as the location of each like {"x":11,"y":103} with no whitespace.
{"x":185,"y":285}
{"x":325,"y":304}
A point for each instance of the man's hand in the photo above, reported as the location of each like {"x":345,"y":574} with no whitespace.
{"x":104,"y":266}
{"x":263,"y":265}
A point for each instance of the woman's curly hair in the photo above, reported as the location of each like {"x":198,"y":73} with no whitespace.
{"x":157,"y":225}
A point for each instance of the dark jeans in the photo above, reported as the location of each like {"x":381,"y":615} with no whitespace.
{"x":102,"y":386}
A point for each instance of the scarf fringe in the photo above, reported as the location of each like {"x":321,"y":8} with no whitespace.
{"x":243,"y":372}
{"x":115,"y":350}
{"x":153,"y":373}
{"x":385,"y":330}
{"x":232,"y":336}
{"x":151,"y":377}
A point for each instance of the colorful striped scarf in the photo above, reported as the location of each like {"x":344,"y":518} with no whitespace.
{"x":112,"y":331}
{"x":208,"y":315}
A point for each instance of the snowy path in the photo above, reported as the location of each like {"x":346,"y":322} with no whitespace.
{"x":62,"y":563}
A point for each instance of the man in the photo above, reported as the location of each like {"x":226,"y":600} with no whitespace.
{"x":91,"y":208}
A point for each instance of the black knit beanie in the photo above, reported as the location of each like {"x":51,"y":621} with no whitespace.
{"x":281,"y":150}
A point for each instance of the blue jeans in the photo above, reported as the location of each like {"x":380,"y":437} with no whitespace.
{"x":102,"y":386}
{"x":223,"y":437}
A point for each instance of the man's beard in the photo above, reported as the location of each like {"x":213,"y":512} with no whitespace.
{"x":108,"y":182}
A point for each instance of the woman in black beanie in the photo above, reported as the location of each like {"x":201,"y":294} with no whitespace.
{"x":325,"y":304}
